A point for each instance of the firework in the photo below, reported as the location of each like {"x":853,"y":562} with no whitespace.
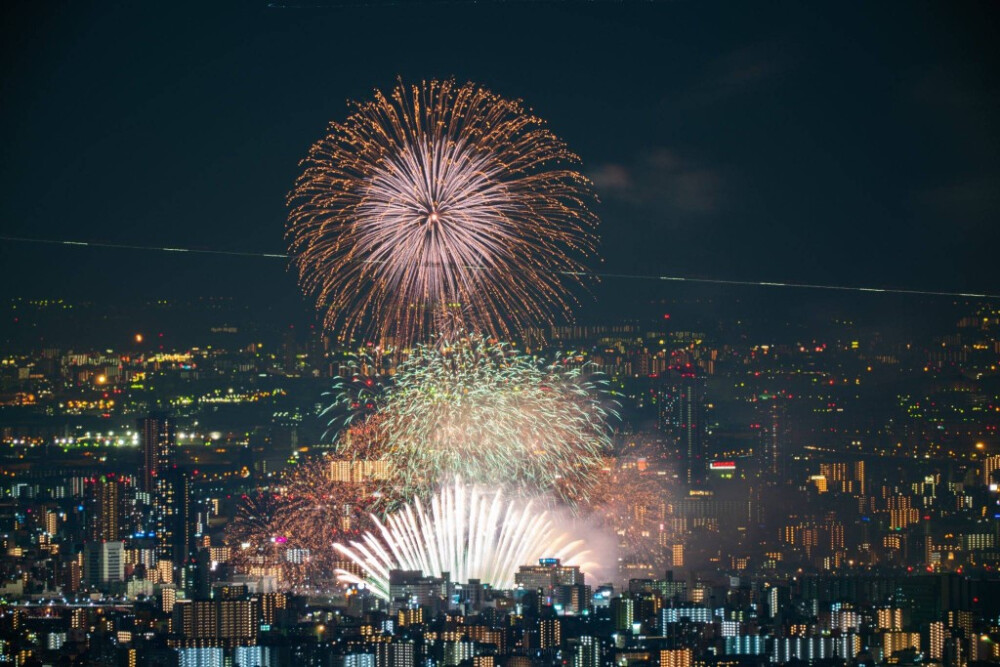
{"x":356,"y":396}
{"x":288,"y":533}
{"x":467,"y":531}
{"x":256,"y":548}
{"x":485,"y":412}
{"x":439,"y":201}
{"x":632,"y":503}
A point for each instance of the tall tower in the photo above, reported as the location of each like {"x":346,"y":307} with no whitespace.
{"x":683,"y":418}
{"x":158,"y":449}
{"x":772,"y":436}
{"x":181,"y":525}
{"x":108,"y":517}
{"x":158,"y":478}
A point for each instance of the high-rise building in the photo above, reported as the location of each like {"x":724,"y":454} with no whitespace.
{"x":549,"y":633}
{"x":232,"y":622}
{"x":772,"y":438}
{"x":394,"y":654}
{"x":158,"y":482}
{"x":623,"y":613}
{"x":845,"y":477}
{"x":588,"y":652}
{"x":158,"y":449}
{"x":458,"y":652}
{"x":107,"y":508}
{"x":178,"y":523}
{"x":172,"y":516}
{"x":938,"y":634}
{"x":990,"y":466}
{"x":682,"y":416}
{"x":682,"y":657}
{"x":890,"y":619}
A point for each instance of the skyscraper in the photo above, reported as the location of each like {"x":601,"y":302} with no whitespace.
{"x":772,"y":439}
{"x":167,"y":489}
{"x":105,"y":508}
{"x":158,"y":449}
{"x":682,"y":417}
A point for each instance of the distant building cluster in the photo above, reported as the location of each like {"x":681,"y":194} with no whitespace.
{"x":785,"y":499}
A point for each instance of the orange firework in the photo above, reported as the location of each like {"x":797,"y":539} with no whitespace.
{"x":289,"y":532}
{"x":436,"y":202}
{"x":633,"y":503}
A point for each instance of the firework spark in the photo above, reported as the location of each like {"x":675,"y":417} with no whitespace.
{"x":439,"y":200}
{"x":632,"y":503}
{"x":288,"y":533}
{"x":467,"y":531}
{"x":485,"y":412}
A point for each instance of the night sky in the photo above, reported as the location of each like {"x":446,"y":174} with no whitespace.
{"x":841,"y":143}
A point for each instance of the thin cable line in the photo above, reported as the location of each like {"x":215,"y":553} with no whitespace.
{"x":622,"y":276}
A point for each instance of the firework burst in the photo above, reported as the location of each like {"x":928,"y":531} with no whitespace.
{"x":288,"y":532}
{"x":632,"y":503}
{"x":436,"y":202}
{"x":467,"y":531}
{"x":485,"y":412}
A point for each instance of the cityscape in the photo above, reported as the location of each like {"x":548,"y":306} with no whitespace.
{"x":447,"y":397}
{"x":775,"y":499}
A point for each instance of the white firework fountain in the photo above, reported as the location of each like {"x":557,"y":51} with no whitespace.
{"x":469,"y":532}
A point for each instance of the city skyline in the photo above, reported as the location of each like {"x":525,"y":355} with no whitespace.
{"x":624,"y":334}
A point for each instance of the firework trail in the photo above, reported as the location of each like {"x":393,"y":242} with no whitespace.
{"x":482,"y":411}
{"x":467,"y":531}
{"x":434,"y":202}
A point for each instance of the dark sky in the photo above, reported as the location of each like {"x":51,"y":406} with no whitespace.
{"x":847,"y":143}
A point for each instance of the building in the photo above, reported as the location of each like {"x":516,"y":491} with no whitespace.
{"x":547,"y":575}
{"x":682,"y":417}
{"x":623,"y":613}
{"x":772,"y":436}
{"x":894,"y":642}
{"x":103,"y":562}
{"x":217,"y":622}
{"x":845,"y":477}
{"x":394,"y":654}
{"x":166,"y":489}
{"x":410,"y":588}
{"x":549,"y":633}
{"x":990,"y":466}
{"x":587,"y":652}
{"x":682,"y":657}
{"x":158,"y":439}
{"x":107,"y":508}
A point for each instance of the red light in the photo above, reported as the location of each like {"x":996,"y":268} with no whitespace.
{"x":666,"y":316}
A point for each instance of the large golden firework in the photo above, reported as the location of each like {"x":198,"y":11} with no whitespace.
{"x":435,"y":202}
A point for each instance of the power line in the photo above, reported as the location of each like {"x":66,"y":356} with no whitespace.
{"x":597,"y":274}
